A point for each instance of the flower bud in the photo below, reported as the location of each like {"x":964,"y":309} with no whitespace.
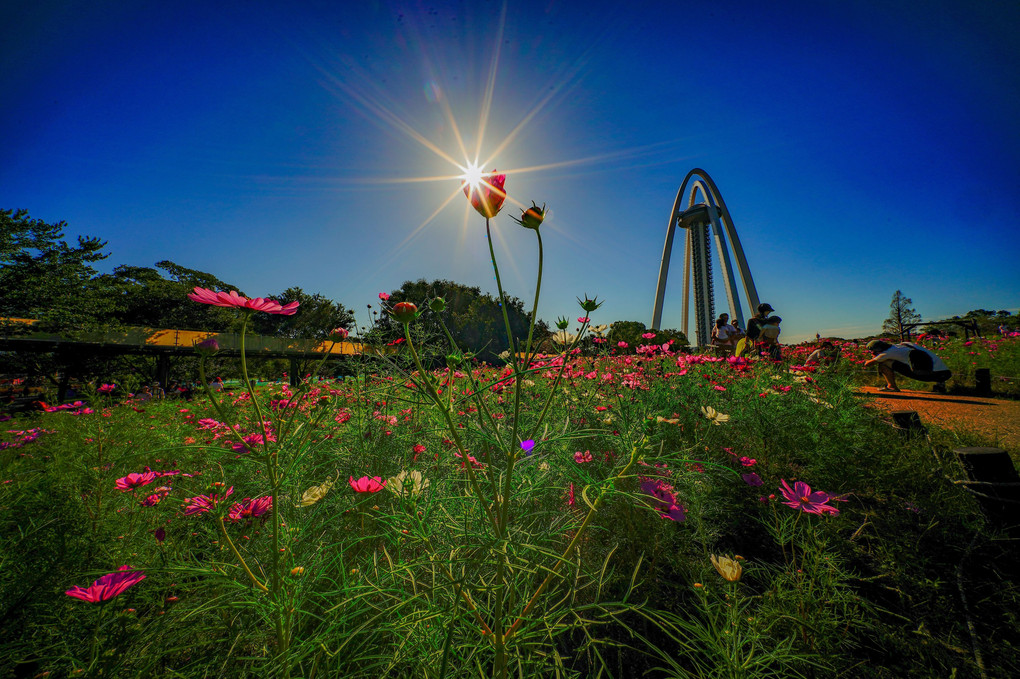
{"x":404,"y":312}
{"x":532,"y":217}
{"x":338,"y":334}
{"x":487,"y":195}
{"x":207,"y":347}
{"x":455,"y":359}
{"x":562,"y":323}
{"x":438,"y":304}
{"x":590,"y":305}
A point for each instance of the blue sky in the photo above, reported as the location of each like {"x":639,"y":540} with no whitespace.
{"x":861,"y":147}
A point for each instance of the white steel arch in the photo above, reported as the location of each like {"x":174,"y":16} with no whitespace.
{"x":700,"y":210}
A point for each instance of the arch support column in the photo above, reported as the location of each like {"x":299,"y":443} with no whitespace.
{"x":699,"y":209}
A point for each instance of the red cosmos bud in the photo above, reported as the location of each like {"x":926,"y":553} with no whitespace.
{"x":488,"y":195}
{"x":404,"y":312}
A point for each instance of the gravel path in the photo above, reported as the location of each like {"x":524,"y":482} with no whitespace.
{"x":996,"y":419}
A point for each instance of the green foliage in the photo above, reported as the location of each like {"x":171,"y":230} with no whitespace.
{"x":378,"y":593}
{"x":149,"y":298}
{"x":473,"y":318}
{"x":316,"y":317}
{"x":631,"y":332}
{"x":44,"y":278}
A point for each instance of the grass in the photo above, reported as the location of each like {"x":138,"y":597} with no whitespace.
{"x":388,"y":584}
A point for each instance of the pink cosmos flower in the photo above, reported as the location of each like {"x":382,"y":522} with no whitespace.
{"x":800,"y":497}
{"x":250,"y":509}
{"x":203,"y":503}
{"x":648,"y":335}
{"x":752,"y":479}
{"x":580,"y":457}
{"x":583,"y":319}
{"x":384,"y":296}
{"x":368,"y":484}
{"x":622,"y":344}
{"x":108,"y":586}
{"x":106,"y":388}
{"x":233,"y":299}
{"x":132,"y":481}
{"x":338,"y":334}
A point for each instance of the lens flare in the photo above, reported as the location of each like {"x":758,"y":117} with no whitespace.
{"x":473,"y":175}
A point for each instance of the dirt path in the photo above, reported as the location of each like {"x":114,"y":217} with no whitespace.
{"x":996,"y":419}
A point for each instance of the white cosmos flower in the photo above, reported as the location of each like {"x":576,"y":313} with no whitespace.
{"x":712,"y":414}
{"x":408,"y":483}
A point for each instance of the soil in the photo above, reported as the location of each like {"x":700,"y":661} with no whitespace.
{"x":997,"y":420}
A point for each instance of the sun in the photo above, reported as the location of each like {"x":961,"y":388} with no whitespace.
{"x":473,"y":175}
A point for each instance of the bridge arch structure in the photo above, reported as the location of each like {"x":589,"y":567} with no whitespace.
{"x":700,"y":211}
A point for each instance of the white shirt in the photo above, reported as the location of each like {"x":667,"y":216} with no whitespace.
{"x":901,"y":354}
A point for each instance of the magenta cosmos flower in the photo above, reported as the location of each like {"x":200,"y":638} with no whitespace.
{"x":800,"y":497}
{"x":663,"y":500}
{"x":250,"y":509}
{"x":203,"y":503}
{"x":368,"y":484}
{"x":233,"y":299}
{"x":132,"y":481}
{"x":108,"y":586}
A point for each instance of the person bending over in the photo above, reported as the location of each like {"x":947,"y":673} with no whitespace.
{"x":825,"y":354}
{"x":910,"y":360}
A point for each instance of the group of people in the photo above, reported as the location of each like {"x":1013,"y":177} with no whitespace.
{"x":761,"y":336}
{"x":762,"y":339}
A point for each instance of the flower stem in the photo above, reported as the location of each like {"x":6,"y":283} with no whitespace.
{"x":573,"y":543}
{"x":208,"y":390}
{"x":502,"y":297}
{"x":538,"y":290}
{"x":244,"y":565}
{"x":431,"y":390}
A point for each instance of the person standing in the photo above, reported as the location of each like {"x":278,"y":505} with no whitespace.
{"x":749,"y":345}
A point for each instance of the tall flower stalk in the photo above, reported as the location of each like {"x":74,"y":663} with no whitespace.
{"x":269,"y":455}
{"x":506,"y":617}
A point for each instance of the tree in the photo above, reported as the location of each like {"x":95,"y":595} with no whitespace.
{"x":473,"y":318}
{"x":316,"y":317}
{"x":145,"y":297}
{"x":631,"y":332}
{"x":45,"y":278}
{"x":900,"y":314}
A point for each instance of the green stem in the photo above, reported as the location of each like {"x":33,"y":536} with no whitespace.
{"x":538,"y":290}
{"x":556,"y":382}
{"x":502,"y":297}
{"x":208,"y":390}
{"x":255,"y":581}
{"x":452,"y":426}
{"x":272,"y":464}
{"x":573,"y":543}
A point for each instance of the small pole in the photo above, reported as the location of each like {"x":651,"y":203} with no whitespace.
{"x":908,"y":422}
{"x":983,"y":381}
{"x":994,"y":483}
